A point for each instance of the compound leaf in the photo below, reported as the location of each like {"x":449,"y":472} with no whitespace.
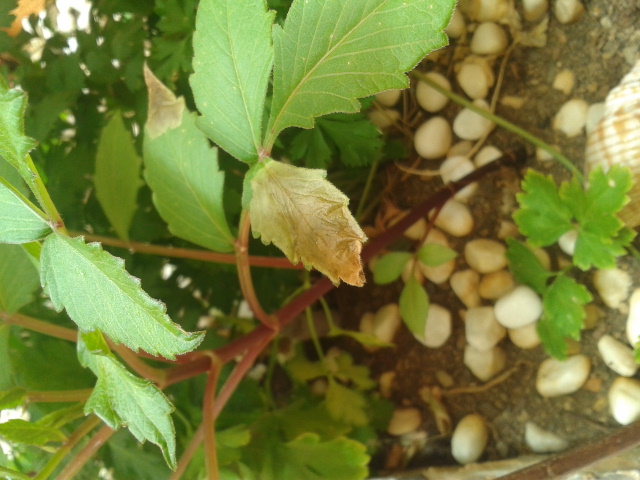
{"x":232,"y":65}
{"x":117,"y":175}
{"x":182,"y":171}
{"x":307,"y":218}
{"x":414,"y":307}
{"x":98,"y":293}
{"x":14,"y":144}
{"x":120,"y":398}
{"x":20,"y":220}
{"x":328,"y":54}
{"x":18,"y":278}
{"x":542,"y":216}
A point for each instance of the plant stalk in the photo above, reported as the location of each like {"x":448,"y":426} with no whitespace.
{"x":208,"y":422}
{"x":84,"y":455}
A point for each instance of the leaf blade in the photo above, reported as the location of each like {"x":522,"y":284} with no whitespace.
{"x":18,"y":278}
{"x":231,"y":72}
{"x":14,"y":144}
{"x":367,"y":48}
{"x":108,"y":299}
{"x":20,"y":220}
{"x":414,"y":307}
{"x":389,"y":267}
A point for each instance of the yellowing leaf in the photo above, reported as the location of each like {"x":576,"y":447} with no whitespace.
{"x":307,"y":218}
{"x":25,"y":9}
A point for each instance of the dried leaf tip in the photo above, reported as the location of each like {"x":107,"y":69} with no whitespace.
{"x":165,"y":110}
{"x":307,"y":218}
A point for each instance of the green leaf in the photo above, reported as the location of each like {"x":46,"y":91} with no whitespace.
{"x":414,"y":307}
{"x":14,"y":144}
{"x":229,"y":442}
{"x":357,"y":139}
{"x":389,"y":267}
{"x":122,"y":399}
{"x":20,"y":220}
{"x":346,"y":405}
{"x":307,"y":218}
{"x":542,"y":216}
{"x":434,"y":254}
{"x":328,"y":54}
{"x":563,"y":314}
{"x":18,"y":278}
{"x":312,"y":147}
{"x":364,"y":339}
{"x":117,"y":175}
{"x":98,"y":293}
{"x":525,"y":266}
{"x":12,"y":177}
{"x":12,"y":398}
{"x":26,"y":433}
{"x":182,"y":170}
{"x":232,"y":65}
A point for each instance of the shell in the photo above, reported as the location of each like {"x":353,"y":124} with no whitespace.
{"x":616,"y":139}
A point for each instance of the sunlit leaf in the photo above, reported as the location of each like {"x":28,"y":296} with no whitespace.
{"x":98,"y":293}
{"x":20,"y":220}
{"x":346,"y":405}
{"x":117,"y":176}
{"x":307,"y":218}
{"x":232,"y":65}
{"x":24,"y":9}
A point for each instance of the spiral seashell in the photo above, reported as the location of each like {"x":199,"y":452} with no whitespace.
{"x":616,"y":139}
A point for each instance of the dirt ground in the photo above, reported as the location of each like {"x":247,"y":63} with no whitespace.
{"x":599,"y":49}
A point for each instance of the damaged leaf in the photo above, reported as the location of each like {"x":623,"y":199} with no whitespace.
{"x":307,"y":218}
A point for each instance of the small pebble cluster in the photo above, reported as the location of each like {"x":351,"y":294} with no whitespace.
{"x":496,"y":307}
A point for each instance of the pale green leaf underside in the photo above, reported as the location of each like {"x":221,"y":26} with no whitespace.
{"x":26,"y":433}
{"x":98,"y":293}
{"x":120,"y":398}
{"x":18,"y":278}
{"x":232,"y":64}
{"x":14,"y":144}
{"x":117,"y":175}
{"x":330,"y":53}
{"x":182,"y":171}
{"x":19,"y":221}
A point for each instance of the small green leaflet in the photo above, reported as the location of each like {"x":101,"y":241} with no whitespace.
{"x":367,"y":47}
{"x":232,"y":65}
{"x":98,"y":293}
{"x":434,"y":254}
{"x":117,"y":175}
{"x":547,"y":212}
{"x":525,"y":266}
{"x":20,"y":220}
{"x":14,"y":144}
{"x":18,"y":278}
{"x":182,"y":171}
{"x":414,"y":306}
{"x":122,"y":399}
{"x":26,"y":433}
{"x":389,"y":267}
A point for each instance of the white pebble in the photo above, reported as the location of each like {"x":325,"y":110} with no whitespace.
{"x":412,"y":269}
{"x":485,"y":255}
{"x":543,"y":257}
{"x":495,"y":284}
{"x":543,"y":155}
{"x":534,"y":9}
{"x":543,"y":441}
{"x":489,"y":39}
{"x":618,"y":356}
{"x":385,"y":383}
{"x":595,"y":112}
{"x":571,"y":118}
{"x":433,"y":138}
{"x":568,"y":11}
{"x":404,"y":420}
{"x":525,"y":337}
{"x":624,"y":400}
{"x":463,"y":147}
{"x":486,"y":155}
{"x":438,"y":327}
{"x":633,"y":320}
{"x":482,"y":330}
{"x":564,"y":81}
{"x":455,"y":219}
{"x":484,"y":364}
{"x":430,"y":99}
{"x":388,"y":98}
{"x":486,"y":10}
{"x":520,"y":307}
{"x":454,"y":168}
{"x":417,"y":230}
{"x":612,"y":285}
{"x":441,"y":273}
{"x":465,"y":285}
{"x":472,"y":79}
{"x":567,"y":242}
{"x":456,"y":27}
{"x":386,"y":322}
{"x":557,"y":377}
{"x":469,"y":125}
{"x":366,"y":323}
{"x":383,"y":117}
{"x":469,"y":439}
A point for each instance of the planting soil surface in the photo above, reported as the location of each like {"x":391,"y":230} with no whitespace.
{"x":599,"y":48}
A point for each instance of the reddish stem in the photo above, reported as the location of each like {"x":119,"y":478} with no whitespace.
{"x":84,"y":455}
{"x":208,"y":422}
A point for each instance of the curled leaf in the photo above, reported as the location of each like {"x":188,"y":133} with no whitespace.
{"x":307,"y":218}
{"x":165,"y":110}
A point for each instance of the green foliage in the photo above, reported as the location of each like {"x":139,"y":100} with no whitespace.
{"x":389,"y":267}
{"x":18,"y":278}
{"x":20,"y":220}
{"x":414,"y":306}
{"x":14,"y":145}
{"x":434,"y":254}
